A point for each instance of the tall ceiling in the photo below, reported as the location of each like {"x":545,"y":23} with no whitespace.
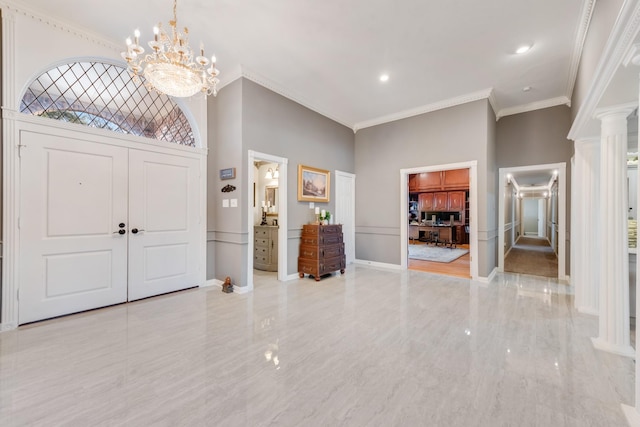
{"x":329,"y":55}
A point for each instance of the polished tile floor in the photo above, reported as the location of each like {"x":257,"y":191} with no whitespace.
{"x":371,"y":348}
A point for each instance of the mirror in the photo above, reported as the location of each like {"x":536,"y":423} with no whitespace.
{"x":271,"y":197}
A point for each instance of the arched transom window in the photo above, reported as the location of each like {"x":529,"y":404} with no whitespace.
{"x":105,"y":96}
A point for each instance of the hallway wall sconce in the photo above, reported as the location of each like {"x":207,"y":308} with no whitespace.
{"x":271,"y":174}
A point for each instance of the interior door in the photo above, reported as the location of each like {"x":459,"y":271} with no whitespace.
{"x":346,"y":211}
{"x":73,"y":199}
{"x":164,"y":217}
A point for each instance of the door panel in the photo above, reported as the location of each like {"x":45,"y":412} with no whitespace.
{"x":164,"y":207}
{"x":73,"y":196}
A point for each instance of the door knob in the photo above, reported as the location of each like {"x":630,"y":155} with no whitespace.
{"x":135,"y":230}
{"x":119,"y":232}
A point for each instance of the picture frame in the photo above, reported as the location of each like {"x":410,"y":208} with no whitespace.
{"x":229,"y":173}
{"x":314,"y":185}
{"x":271,"y":197}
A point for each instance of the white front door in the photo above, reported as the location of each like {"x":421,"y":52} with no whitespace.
{"x":164,"y":216}
{"x":74,"y":197}
{"x":346,"y":212}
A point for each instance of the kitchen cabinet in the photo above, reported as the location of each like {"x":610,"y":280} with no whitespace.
{"x":441,"y":201}
{"x":425,"y":202}
{"x":455,"y":179}
{"x":456,"y":200}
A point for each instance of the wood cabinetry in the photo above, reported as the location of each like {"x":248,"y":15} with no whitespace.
{"x":456,"y":200}
{"x":321,"y":250}
{"x":456,"y":179}
{"x":265,"y":248}
{"x":441,"y":201}
{"x":425,"y":202}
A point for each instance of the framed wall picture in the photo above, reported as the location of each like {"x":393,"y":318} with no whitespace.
{"x":314,"y":185}
{"x":229,"y":173}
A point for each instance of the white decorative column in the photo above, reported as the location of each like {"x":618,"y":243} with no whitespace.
{"x":633,"y":413}
{"x":585,"y":272}
{"x":614,"y":332}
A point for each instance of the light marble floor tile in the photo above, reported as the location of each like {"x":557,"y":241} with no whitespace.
{"x":372,"y":347}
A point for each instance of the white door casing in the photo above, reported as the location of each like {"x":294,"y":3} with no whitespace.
{"x":74,"y":196}
{"x":346,"y":212}
{"x":164,"y":216}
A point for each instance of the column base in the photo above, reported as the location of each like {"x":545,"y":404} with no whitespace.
{"x":627,"y":351}
{"x":633,"y":417}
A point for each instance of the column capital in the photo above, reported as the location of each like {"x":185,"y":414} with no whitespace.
{"x":615,"y":112}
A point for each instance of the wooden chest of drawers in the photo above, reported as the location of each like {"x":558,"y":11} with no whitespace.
{"x":321,"y":250}
{"x":265,"y":248}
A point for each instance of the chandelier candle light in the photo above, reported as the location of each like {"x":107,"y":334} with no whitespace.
{"x":170,"y":68}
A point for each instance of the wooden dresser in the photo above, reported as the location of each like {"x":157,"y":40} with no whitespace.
{"x":265,"y":247}
{"x":321,"y":250}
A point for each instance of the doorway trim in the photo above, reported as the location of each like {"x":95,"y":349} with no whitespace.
{"x":282,"y":213}
{"x":562,"y":212}
{"x":473,"y":209}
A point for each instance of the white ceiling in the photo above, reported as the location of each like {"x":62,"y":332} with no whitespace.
{"x":329,"y":55}
{"x":533,"y":178}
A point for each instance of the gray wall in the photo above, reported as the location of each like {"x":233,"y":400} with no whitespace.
{"x":602,"y":20}
{"x":456,"y":134}
{"x":535,"y":138}
{"x":273,"y":124}
{"x":246,"y":116}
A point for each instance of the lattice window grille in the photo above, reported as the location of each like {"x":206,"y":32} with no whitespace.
{"x":105,"y":96}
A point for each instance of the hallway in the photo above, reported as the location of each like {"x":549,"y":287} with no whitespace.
{"x":532,"y":255}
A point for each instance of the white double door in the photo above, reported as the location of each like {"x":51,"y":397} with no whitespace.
{"x":102,"y":224}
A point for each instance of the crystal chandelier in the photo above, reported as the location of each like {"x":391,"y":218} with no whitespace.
{"x":170,"y":68}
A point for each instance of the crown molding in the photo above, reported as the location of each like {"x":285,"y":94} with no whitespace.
{"x":77,"y":31}
{"x":620,"y":40}
{"x":281,"y":90}
{"x":581,"y":36}
{"x":545,"y":103}
{"x":451,"y":102}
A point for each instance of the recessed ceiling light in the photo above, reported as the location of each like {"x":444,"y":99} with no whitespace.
{"x":524,"y":48}
{"x":384,"y":77}
{"x":526,"y":88}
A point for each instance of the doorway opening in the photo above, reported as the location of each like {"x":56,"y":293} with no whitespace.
{"x":438,"y":219}
{"x":532,"y":220}
{"x":267,"y":218}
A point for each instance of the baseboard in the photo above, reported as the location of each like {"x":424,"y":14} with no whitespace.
{"x":626,"y":351}
{"x":242,"y":289}
{"x":633,"y":417}
{"x":293,"y":276}
{"x":378,"y":264}
{"x":511,"y":247}
{"x":491,"y":276}
{"x":588,"y":310}
{"x":566,"y":280}
{"x":212,"y":282}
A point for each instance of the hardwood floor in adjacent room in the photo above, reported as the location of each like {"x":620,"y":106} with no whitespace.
{"x":460,"y":267}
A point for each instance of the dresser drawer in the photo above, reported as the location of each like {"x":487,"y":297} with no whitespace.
{"x":262,"y":242}
{"x":261,"y":232}
{"x":332,"y":251}
{"x":332,"y":264}
{"x":309,"y":252}
{"x":261,"y":251}
{"x":330,"y":239}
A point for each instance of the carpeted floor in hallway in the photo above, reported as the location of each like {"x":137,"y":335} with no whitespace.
{"x":532,"y":255}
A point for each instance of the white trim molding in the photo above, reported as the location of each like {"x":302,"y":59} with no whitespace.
{"x":581,"y":36}
{"x":489,"y":278}
{"x":621,"y":39}
{"x":428,"y":108}
{"x":377,"y":264}
{"x":538,"y":105}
